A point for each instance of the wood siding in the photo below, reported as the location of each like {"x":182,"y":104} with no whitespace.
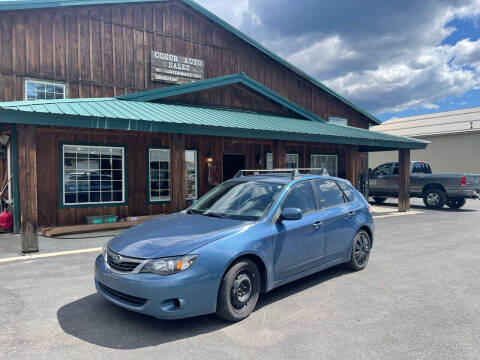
{"x":48,"y":141}
{"x":105,"y":51}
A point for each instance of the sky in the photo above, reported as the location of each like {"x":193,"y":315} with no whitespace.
{"x":391,"y":58}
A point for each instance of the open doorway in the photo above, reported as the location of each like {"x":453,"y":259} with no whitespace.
{"x":231,"y":164}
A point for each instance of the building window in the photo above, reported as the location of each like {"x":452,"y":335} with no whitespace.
{"x":159,"y":174}
{"x":44,"y":90}
{"x":329,"y":162}
{"x":269,"y":161}
{"x":93,"y":175}
{"x":338,"y":120}
{"x":291,"y":161}
{"x":191,"y":174}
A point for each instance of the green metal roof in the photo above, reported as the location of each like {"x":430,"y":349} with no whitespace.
{"x":113,"y":113}
{"x":239,"y":78}
{"x":33,"y":4}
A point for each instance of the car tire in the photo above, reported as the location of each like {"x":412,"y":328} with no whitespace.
{"x":362,"y":244}
{"x":239,"y":291}
{"x":379,"y":200}
{"x":456,"y":203}
{"x":434,"y":198}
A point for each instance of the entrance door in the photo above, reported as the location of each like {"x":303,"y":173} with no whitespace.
{"x":231,"y":164}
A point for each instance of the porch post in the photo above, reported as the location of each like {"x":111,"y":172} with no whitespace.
{"x":353,"y":159}
{"x":177,"y":175}
{"x":27,"y":184}
{"x":279,"y":152}
{"x":404,"y":180}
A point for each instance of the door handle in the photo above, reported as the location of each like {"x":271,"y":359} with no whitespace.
{"x":350,"y":214}
{"x":317,"y":225}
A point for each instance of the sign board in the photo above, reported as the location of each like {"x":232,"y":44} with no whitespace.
{"x":176,"y":69}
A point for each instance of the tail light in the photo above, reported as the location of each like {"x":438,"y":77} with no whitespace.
{"x":463,"y":181}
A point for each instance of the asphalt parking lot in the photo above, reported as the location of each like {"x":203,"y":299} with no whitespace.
{"x":418,"y":298}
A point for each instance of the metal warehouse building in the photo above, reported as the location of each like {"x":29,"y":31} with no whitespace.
{"x":454,"y":137}
{"x":137,"y":107}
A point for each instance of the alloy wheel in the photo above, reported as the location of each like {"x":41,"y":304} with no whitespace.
{"x":362,"y":249}
{"x":433,"y":199}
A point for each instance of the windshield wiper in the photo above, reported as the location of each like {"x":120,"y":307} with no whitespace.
{"x":215,"y":215}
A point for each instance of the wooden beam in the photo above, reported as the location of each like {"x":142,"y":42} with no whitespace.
{"x":404,"y":180}
{"x":27,"y":183}
{"x":279,"y":152}
{"x":353,"y":160}
{"x":177,"y":172}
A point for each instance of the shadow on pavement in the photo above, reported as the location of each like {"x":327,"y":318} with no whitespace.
{"x":394,"y":206}
{"x":301,"y":285}
{"x":97,"y":321}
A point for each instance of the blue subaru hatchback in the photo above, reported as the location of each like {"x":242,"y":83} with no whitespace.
{"x":248,"y":235}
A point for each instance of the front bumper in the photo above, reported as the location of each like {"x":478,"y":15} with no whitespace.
{"x":189,"y":293}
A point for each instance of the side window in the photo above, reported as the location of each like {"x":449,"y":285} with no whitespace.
{"x":301,"y":197}
{"x":385,"y":169}
{"x":329,"y":193}
{"x":348,"y":191}
{"x":395,"y":169}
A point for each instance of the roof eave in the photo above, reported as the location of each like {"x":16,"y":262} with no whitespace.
{"x":102,"y":123}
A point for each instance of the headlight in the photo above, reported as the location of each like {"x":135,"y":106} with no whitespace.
{"x":168,"y":266}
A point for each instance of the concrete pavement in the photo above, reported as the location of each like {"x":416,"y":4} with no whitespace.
{"x":418,"y":298}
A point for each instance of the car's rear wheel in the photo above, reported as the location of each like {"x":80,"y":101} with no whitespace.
{"x":456,"y":203}
{"x":434,"y":198}
{"x":379,"y":199}
{"x":362,"y":244}
{"x":239,"y":291}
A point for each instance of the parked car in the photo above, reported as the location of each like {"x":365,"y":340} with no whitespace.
{"x":435,"y":189}
{"x":248,"y":235}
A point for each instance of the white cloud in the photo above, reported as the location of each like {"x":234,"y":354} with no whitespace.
{"x":386,"y":57}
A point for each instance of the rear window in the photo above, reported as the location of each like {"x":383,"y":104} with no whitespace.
{"x":329,"y":193}
{"x":421,"y":168}
{"x":348,"y":191}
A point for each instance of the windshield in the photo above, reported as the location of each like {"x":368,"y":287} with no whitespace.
{"x":249,"y":200}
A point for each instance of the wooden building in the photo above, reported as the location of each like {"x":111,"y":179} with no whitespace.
{"x":132,"y":107}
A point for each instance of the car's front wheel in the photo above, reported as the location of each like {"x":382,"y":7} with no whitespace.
{"x":239,"y":291}
{"x":362,"y":244}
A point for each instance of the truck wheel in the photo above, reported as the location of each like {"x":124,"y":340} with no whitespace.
{"x":379,"y":200}
{"x":434,"y":198}
{"x":239,"y":291}
{"x":456,"y":203}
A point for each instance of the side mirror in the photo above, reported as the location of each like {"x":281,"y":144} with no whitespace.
{"x":291,"y":214}
{"x":370,"y":171}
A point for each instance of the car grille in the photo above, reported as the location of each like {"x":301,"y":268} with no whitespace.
{"x":122,"y":263}
{"x":129,"y":299}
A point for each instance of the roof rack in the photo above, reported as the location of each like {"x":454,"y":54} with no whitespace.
{"x":295,"y":173}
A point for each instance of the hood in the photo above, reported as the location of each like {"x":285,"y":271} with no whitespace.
{"x":172,"y":235}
